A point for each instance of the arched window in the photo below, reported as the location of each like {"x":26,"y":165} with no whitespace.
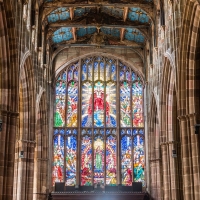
{"x":98,"y":119}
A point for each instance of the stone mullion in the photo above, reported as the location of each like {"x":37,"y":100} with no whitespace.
{"x":118,"y":126}
{"x":78,"y":167}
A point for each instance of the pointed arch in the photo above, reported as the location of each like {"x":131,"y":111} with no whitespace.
{"x":40,"y":181}
{"x":23,"y":184}
{"x":154,"y":151}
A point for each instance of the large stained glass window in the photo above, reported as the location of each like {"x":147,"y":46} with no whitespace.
{"x":98,"y":124}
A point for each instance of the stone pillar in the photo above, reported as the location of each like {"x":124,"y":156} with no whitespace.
{"x":7,"y":156}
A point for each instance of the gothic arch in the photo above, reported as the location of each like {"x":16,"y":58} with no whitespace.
{"x":40,"y":182}
{"x":170,"y":138}
{"x":154,"y":151}
{"x":23,"y":184}
{"x":188,"y":88}
{"x":186,"y":72}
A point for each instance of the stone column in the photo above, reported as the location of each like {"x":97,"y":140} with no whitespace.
{"x":7,"y":156}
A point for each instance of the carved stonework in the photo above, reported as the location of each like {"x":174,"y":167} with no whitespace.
{"x":98,"y":39}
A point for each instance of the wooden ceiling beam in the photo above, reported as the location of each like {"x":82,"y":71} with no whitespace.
{"x":125,"y":14}
{"x":122,"y":33}
{"x":71,"y":12}
{"x":74,"y":33}
{"x":100,"y":46}
{"x":96,"y":25}
{"x":122,"y":5}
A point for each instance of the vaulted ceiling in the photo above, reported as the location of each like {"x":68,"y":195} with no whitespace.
{"x":98,"y":22}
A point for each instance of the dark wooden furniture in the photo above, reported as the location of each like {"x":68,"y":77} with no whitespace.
{"x":92,"y":195}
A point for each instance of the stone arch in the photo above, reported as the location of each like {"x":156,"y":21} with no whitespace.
{"x":23,"y":184}
{"x":170,"y":137}
{"x":186,"y":71}
{"x":40,"y":185}
{"x":154,"y":151}
{"x":188,"y":95}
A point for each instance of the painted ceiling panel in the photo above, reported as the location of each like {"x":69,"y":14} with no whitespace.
{"x":111,"y":31}
{"x":62,"y":34}
{"x":60,"y":14}
{"x":133,"y":34}
{"x":85,"y":31}
{"x":78,"y":12}
{"x":116,"y":12}
{"x":137,"y":14}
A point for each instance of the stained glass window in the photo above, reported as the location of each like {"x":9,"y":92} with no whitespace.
{"x":126,"y":164}
{"x":98,"y":119}
{"x":58,"y":160}
{"x":71,"y":146}
{"x":98,"y":160}
{"x":86,"y":161}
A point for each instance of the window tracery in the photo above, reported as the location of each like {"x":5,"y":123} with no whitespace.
{"x":98,"y":113}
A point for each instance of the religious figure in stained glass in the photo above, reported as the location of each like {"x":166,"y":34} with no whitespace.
{"x":125,"y":104}
{"x":59,"y":117}
{"x":86,"y":161}
{"x":111,"y":105}
{"x":137,"y":104}
{"x":111,"y":165}
{"x":99,"y":107}
{"x":58,"y":163}
{"x":72,"y":104}
{"x":71,"y":145}
{"x":138,"y":159}
{"x":126,"y":164}
{"x":98,"y":160}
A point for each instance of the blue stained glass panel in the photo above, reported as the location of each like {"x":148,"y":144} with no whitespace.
{"x":90,"y":67}
{"x":76,"y":75}
{"x":84,"y":72}
{"x":102,"y":71}
{"x":71,"y":146}
{"x":96,"y":70}
{"x":113,"y":72}
{"x":126,"y":163}
{"x":125,"y":109}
